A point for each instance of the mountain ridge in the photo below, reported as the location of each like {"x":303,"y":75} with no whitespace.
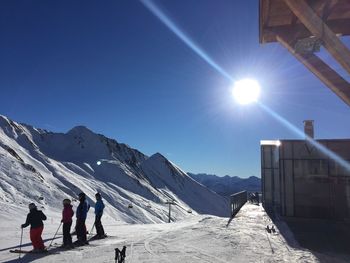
{"x":40,"y":166}
{"x":227,"y":185}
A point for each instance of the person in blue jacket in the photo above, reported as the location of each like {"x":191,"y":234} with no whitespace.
{"x":81,"y":215}
{"x":99,"y":206}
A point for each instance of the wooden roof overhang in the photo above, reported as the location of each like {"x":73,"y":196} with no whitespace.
{"x":289,"y":21}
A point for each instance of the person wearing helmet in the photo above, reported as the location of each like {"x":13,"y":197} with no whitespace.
{"x":81,"y":215}
{"x":35,"y":220}
{"x":67,"y":214}
{"x":99,"y":206}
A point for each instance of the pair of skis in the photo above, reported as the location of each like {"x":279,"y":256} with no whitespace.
{"x":28,"y":251}
{"x":55,"y":246}
{"x":96,"y":237}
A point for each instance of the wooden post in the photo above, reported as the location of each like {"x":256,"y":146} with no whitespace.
{"x":319,"y":29}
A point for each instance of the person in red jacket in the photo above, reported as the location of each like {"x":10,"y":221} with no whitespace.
{"x":35,"y":220}
{"x":67,"y":215}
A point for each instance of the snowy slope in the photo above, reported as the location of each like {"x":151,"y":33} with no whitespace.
{"x":165,"y":175}
{"x":199,"y":238}
{"x":45,"y":167}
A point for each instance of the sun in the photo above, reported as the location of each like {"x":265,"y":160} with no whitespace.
{"x":246,"y":91}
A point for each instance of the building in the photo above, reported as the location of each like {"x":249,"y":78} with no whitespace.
{"x":300,"y":180}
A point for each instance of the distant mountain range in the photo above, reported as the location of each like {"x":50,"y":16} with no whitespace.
{"x":227,"y":185}
{"x":45,"y":167}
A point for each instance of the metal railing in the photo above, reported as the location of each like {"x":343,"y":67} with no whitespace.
{"x":237,"y":201}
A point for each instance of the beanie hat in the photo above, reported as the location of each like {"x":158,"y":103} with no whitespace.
{"x":31,"y":206}
{"x":66,"y":201}
{"x":82,"y":196}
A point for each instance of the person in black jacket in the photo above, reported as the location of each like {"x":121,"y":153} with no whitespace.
{"x":81,"y":214}
{"x":35,"y":220}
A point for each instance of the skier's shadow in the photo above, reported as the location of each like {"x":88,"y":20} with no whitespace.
{"x":29,"y":257}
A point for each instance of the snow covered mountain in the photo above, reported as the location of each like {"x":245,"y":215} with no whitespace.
{"x":228,"y":185}
{"x":45,"y":167}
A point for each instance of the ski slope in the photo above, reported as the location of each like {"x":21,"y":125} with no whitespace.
{"x":199,"y":238}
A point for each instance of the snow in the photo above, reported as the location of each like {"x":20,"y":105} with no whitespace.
{"x":198,"y":238}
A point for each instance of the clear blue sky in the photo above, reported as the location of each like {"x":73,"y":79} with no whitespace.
{"x":117,"y":69}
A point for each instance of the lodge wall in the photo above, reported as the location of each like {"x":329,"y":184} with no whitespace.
{"x":300,"y":180}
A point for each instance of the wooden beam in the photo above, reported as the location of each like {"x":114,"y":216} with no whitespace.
{"x":318,"y":6}
{"x":266,"y":12}
{"x":264,"y":8}
{"x":325,"y":73}
{"x":319,"y":29}
{"x":341,"y":26}
{"x":328,"y":9}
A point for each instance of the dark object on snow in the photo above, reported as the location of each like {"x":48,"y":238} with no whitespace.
{"x":120,"y":255}
{"x":270,"y":229}
{"x":273,"y":230}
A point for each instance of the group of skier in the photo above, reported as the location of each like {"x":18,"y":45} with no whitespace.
{"x":36,"y":217}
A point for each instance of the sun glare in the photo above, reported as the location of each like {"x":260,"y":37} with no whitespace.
{"x":246,"y":91}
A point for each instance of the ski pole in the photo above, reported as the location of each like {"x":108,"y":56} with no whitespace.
{"x":54,"y":235}
{"x":20,"y":243}
{"x":91,"y":229}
